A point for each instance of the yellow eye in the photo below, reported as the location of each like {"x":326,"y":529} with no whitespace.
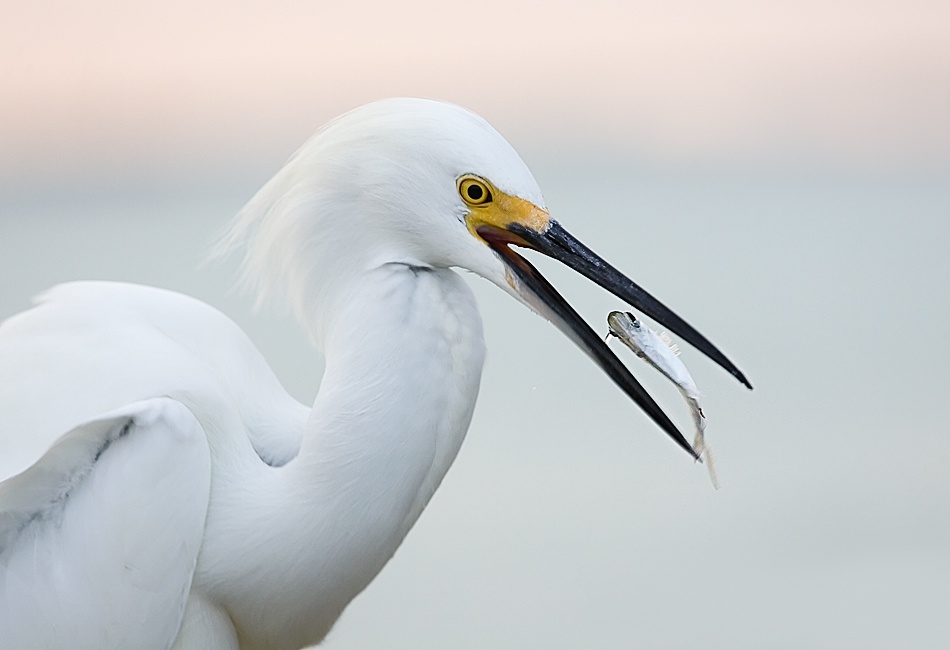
{"x":474,"y":191}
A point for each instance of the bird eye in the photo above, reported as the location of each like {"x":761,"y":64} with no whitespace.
{"x":474,"y":191}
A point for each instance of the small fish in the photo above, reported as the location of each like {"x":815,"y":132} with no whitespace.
{"x":661,"y":353}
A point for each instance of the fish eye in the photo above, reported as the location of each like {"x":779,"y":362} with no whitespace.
{"x":474,"y":191}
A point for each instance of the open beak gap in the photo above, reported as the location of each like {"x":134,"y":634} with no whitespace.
{"x":549,"y":303}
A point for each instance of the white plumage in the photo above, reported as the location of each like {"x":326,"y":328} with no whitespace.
{"x":163,"y":490}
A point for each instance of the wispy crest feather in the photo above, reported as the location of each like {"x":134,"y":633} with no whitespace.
{"x":259,"y":231}
{"x":278,"y":231}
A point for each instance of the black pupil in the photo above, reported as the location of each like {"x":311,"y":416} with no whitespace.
{"x":475,"y":192}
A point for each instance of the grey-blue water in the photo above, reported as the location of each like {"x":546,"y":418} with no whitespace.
{"x":569,"y":520}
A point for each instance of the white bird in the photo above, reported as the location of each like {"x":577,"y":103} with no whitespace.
{"x":163,"y":490}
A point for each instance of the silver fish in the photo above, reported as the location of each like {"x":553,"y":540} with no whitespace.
{"x":661,"y":353}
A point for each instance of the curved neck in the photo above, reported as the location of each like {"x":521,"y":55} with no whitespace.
{"x":404,"y":359}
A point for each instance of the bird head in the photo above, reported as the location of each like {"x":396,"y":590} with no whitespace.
{"x":427,"y":183}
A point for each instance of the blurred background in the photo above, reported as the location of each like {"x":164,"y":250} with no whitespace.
{"x":777,"y":173}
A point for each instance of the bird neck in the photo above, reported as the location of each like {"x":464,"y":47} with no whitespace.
{"x":403,"y":362}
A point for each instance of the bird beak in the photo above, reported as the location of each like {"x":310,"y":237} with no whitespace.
{"x":554,"y":241}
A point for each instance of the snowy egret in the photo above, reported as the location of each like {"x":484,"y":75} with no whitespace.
{"x":163,"y":490}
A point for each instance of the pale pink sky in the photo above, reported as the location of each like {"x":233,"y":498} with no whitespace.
{"x":114,"y":82}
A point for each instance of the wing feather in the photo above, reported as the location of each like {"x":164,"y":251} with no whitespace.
{"x":99,"y":538}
